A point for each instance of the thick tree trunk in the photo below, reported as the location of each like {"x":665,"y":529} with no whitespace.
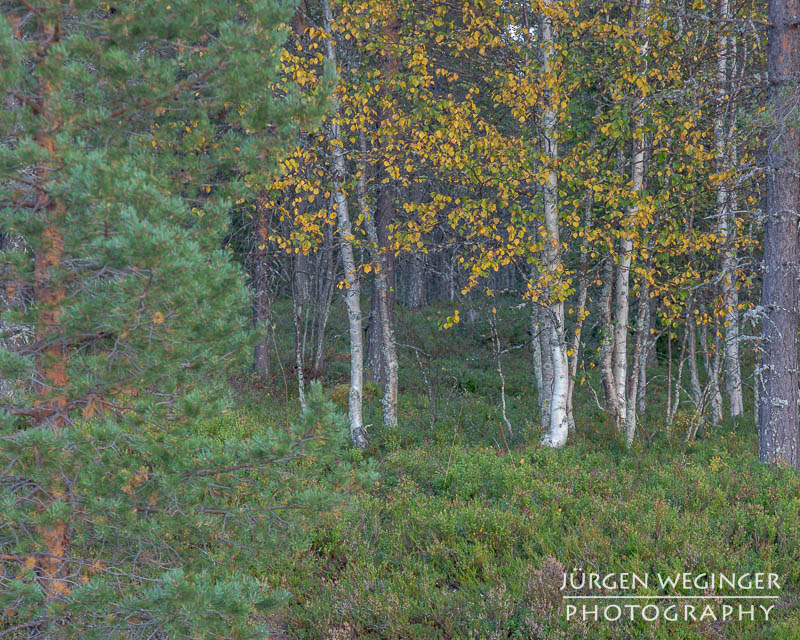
{"x":553,"y":316}
{"x":353,"y":289}
{"x":779,"y":437}
{"x":260,"y":286}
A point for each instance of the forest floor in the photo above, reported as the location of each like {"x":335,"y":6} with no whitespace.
{"x":469,"y":528}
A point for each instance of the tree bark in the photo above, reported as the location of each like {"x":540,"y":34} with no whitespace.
{"x":543,"y":364}
{"x":779,"y":437}
{"x":607,"y":344}
{"x":542,"y":370}
{"x":299,"y":299}
{"x":344,"y":227}
{"x":381,"y":269}
{"x":558,"y":428}
{"x":637,"y":360}
{"x":723,"y":129}
{"x":647,"y":351}
{"x":622,"y":285}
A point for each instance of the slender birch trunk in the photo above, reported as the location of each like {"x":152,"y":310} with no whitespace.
{"x":669,"y":378}
{"x":344,"y":227}
{"x":647,"y":349}
{"x":298,"y":301}
{"x":381,"y":270}
{"x":637,"y":360}
{"x":713,"y":378}
{"x":622,"y":285}
{"x":723,"y":130}
{"x":554,"y":315}
{"x":676,"y":392}
{"x":694,"y":375}
{"x":733,"y":371}
{"x":607,"y":345}
{"x":497,"y":353}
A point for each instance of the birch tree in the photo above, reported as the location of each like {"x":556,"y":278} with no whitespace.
{"x":626,"y":420}
{"x":724,"y":122}
{"x":553,"y":315}
{"x":352,"y":292}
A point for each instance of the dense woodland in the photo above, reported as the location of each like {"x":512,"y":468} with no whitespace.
{"x":366,"y":319}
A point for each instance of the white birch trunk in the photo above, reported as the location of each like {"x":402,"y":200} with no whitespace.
{"x":607,"y":345}
{"x":353,"y":292}
{"x":641,"y":390}
{"x":722,"y":142}
{"x":713,"y":378}
{"x":621,"y":302}
{"x":642,"y":328}
{"x":694,"y":374}
{"x":558,"y":428}
{"x":542,"y":370}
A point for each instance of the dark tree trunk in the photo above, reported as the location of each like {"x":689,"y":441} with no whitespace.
{"x":778,"y":415}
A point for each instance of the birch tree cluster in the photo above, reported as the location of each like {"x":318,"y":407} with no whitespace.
{"x":606,"y":164}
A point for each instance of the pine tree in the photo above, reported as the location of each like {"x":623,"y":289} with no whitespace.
{"x":127,"y":135}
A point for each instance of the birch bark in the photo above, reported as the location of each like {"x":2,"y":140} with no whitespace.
{"x":353,"y":289}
